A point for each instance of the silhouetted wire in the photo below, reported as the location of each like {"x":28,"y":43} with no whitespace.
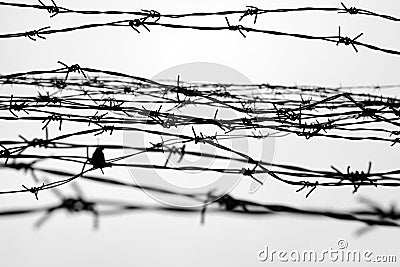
{"x":374,"y":216}
{"x":250,"y":11}
{"x":142,"y":22}
{"x":97,"y":100}
{"x":292,"y":120}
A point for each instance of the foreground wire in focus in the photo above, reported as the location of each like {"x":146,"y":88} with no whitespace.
{"x":147,"y":19}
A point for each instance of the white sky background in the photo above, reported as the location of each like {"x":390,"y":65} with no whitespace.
{"x":147,"y":239}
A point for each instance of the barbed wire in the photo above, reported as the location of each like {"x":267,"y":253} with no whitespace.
{"x":145,"y":17}
{"x":329,"y":110}
{"x":338,"y":39}
{"x":249,"y":11}
{"x":97,"y":101}
{"x":371,"y":216}
{"x":105,"y":123}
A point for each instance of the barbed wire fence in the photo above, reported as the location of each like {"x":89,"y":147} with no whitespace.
{"x":144,"y":17}
{"x":104,"y":102}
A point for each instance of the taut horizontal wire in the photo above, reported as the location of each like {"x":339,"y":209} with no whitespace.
{"x":338,"y":39}
{"x":248,"y":11}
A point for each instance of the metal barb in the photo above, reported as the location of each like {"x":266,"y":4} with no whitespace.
{"x":238,"y":28}
{"x":53,"y":10}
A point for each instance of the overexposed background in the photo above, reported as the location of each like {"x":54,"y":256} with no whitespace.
{"x":149,"y":239}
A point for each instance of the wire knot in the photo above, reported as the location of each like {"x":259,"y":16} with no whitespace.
{"x":351,"y":10}
{"x":17,"y":107}
{"x":72,"y":68}
{"x":251,"y":11}
{"x":238,"y":28}
{"x":250,"y":172}
{"x":105,"y":129}
{"x":307,"y":184}
{"x":53,"y":117}
{"x":96,"y":118}
{"x":152,"y":14}
{"x":5,"y":153}
{"x":34,"y":190}
{"x":46,"y":98}
{"x":355,"y":177}
{"x":136,"y":23}
{"x":347,"y":40}
{"x":53,"y":10}
{"x":36,"y":33}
